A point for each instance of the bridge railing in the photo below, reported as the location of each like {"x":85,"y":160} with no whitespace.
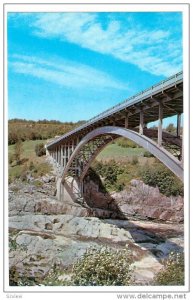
{"x":139,"y":96}
{"x":128,"y":102}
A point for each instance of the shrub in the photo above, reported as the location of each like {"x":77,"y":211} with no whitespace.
{"x":109,"y":172}
{"x":125,"y":143}
{"x":10,"y":179}
{"x":134,"y":160}
{"x":23,"y":172}
{"x":38,"y":183}
{"x":171,"y":128}
{"x":159,"y":175}
{"x":41,"y":169}
{"x":147,"y":154}
{"x":114,"y":176}
{"x":173,"y":270}
{"x":11,"y":159}
{"x":31,"y":166}
{"x":16,"y":279}
{"x":119,"y":187}
{"x":40,"y":149}
{"x":104,"y":266}
{"x":18,"y":150}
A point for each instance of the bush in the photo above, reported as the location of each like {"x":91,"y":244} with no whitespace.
{"x":173,"y":270}
{"x":31,"y":166}
{"x":134,"y":160}
{"x":104,"y":266}
{"x":11,"y":159}
{"x":18,"y":150}
{"x":40,"y":149}
{"x":148,"y":154}
{"x":109,"y":172}
{"x":167,"y":182}
{"x":125,"y":143}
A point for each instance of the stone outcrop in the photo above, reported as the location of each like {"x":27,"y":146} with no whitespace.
{"x":41,"y":241}
{"x":138,"y":201}
{"x":28,"y":198}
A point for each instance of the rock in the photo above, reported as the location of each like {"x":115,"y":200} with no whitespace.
{"x":171,"y":245}
{"x":43,"y":240}
{"x":46,"y":179}
{"x":135,"y":182}
{"x":52,"y":178}
{"x":141,"y":201}
{"x":145,"y":269}
{"x":48,"y":226}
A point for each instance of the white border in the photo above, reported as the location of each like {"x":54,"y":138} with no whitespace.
{"x":109,"y":8}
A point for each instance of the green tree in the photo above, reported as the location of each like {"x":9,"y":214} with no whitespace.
{"x":18,"y":150}
{"x":40,"y":149}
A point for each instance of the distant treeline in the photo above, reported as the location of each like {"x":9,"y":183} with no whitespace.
{"x":21,"y":129}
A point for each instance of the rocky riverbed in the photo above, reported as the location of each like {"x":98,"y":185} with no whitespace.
{"x":44,"y":231}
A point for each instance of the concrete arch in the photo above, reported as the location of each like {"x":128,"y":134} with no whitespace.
{"x":163,"y":155}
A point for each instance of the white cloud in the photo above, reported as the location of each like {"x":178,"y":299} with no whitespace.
{"x":64,"y":73}
{"x":147,"y":49}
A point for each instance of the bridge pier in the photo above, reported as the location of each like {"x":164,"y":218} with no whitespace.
{"x":178,"y":124}
{"x":160,"y":124}
{"x":71,"y":190}
{"x":141,"y":125}
{"x":126,"y":121}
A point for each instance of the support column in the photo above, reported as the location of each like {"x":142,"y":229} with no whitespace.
{"x":126,"y":121}
{"x":54,"y":155}
{"x":141,"y":123}
{"x":73,"y":146}
{"x":178,"y":124}
{"x":182,"y":151}
{"x":61,"y":156}
{"x":68,"y":151}
{"x":76,"y":160}
{"x":113,"y":121}
{"x":65,"y":155}
{"x":63,"y":151}
{"x":160,"y":124}
{"x":58,"y":156}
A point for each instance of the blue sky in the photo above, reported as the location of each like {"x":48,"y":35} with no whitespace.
{"x":72,"y":66}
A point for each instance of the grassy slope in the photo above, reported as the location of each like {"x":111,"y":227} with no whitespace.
{"x":112,"y":151}
{"x":121,"y":154}
{"x":29,"y":154}
{"x":28,"y":148}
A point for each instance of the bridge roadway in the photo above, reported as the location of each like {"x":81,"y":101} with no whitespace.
{"x":74,"y":151}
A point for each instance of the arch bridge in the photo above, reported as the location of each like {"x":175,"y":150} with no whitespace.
{"x":74,"y":151}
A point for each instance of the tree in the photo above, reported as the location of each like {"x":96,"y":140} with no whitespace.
{"x":18,"y":150}
{"x":171,"y":128}
{"x":40,"y":149}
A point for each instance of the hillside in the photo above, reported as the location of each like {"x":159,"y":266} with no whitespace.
{"x":21,"y":129}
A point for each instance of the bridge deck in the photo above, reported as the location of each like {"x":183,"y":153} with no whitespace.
{"x":168,"y":92}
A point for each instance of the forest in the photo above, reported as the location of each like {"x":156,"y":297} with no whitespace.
{"x":23,"y":130}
